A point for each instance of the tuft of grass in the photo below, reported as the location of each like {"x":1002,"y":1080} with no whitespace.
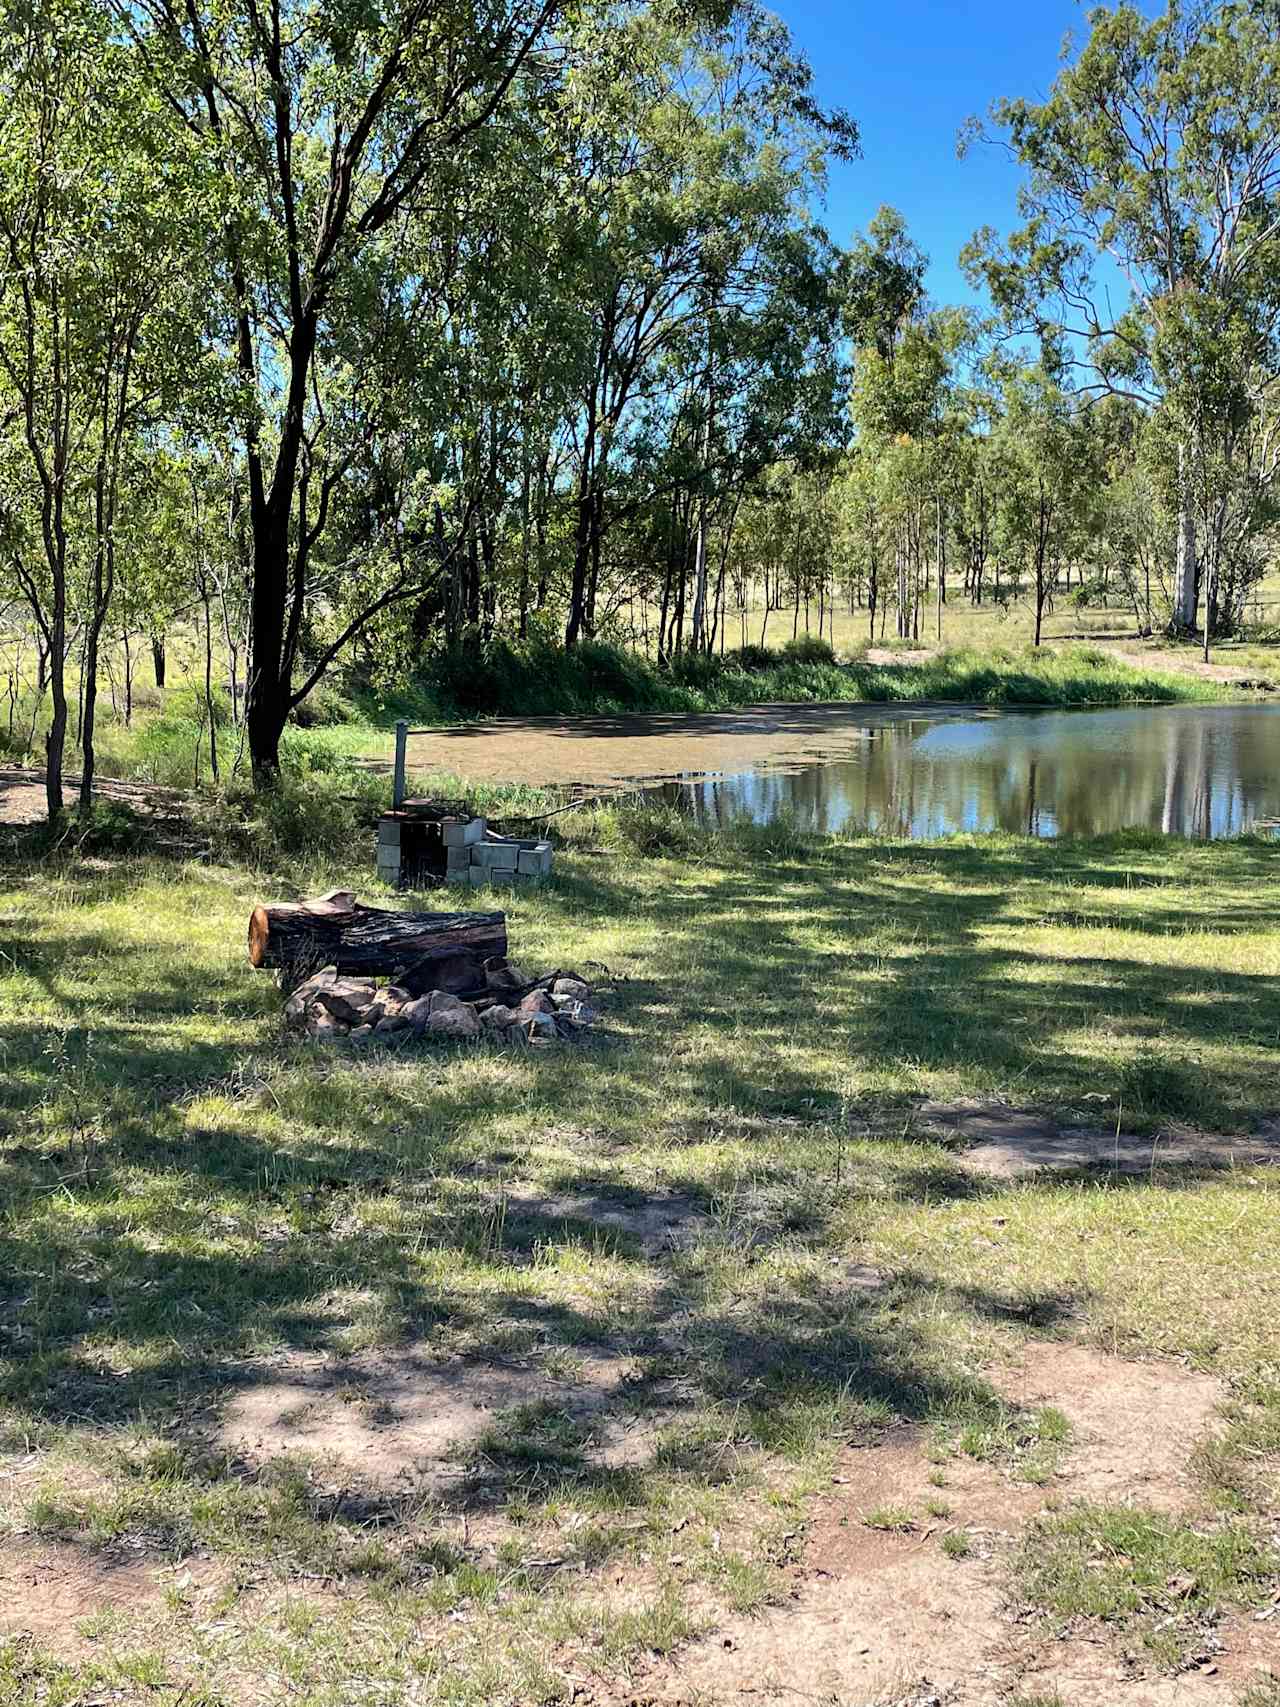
{"x":895,"y":1519}
{"x":956,"y":1544}
{"x":1028,"y":1443}
{"x":1146,"y":1571}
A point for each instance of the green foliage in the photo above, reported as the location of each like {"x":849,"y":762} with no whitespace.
{"x":809,"y":649}
{"x":752,"y":658}
{"x":542,"y":679}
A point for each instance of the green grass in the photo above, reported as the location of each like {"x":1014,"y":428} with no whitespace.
{"x":1028,"y":1444}
{"x":1162,"y":1577}
{"x":190,"y":1202}
{"x":892,"y":1519}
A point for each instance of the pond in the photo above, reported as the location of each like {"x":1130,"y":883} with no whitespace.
{"x":1196,"y":770}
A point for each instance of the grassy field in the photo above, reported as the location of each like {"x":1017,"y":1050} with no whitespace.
{"x":643,"y":1255}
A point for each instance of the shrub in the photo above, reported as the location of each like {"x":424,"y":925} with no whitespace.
{"x":696,"y":670}
{"x":324,"y":708}
{"x":301,"y":817}
{"x":652,"y":831}
{"x":809,"y":649}
{"x":753,"y":658}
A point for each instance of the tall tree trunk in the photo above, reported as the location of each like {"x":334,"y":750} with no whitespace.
{"x":158,"y":658}
{"x":270,"y":688}
{"x":88,"y":720}
{"x":581,"y":565}
{"x":1186,"y":589}
{"x":524,"y":553}
{"x":942,"y":565}
{"x":56,"y":740}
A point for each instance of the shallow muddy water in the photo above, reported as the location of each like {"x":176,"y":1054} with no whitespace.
{"x":1205,"y":771}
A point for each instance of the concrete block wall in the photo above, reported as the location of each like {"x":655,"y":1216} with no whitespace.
{"x":473,"y":854}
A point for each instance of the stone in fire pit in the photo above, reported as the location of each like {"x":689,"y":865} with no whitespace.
{"x":446,"y":974}
{"x":509,"y":1009}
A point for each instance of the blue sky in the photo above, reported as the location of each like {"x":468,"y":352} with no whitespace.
{"x":910,"y":72}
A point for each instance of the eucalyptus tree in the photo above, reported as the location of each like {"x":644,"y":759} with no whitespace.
{"x":902,"y":405}
{"x":1153,"y":169}
{"x":699,"y":168}
{"x":97,"y":333}
{"x":323,"y":134}
{"x":1045,"y":453}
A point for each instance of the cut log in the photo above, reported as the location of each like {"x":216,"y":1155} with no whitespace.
{"x":337,"y":930}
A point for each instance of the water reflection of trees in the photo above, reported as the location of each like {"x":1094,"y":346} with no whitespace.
{"x":1209,"y":772}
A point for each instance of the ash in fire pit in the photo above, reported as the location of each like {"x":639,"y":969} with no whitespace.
{"x":448,"y":974}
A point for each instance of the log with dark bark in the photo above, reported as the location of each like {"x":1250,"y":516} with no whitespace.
{"x":338,"y":930}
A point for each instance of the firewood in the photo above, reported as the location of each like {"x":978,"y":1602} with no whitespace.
{"x":338,"y":930}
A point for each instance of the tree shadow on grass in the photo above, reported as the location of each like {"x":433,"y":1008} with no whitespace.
{"x":350,"y":1213}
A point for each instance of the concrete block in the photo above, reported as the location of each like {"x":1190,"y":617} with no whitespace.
{"x":389,"y":832}
{"x":462,"y":832}
{"x":457,"y":859}
{"x":458,"y":874}
{"x":478,"y":875}
{"x":389,"y":862}
{"x":535,"y":861}
{"x":496,"y":856}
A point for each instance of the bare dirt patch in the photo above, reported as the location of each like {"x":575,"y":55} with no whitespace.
{"x":46,"y":1590}
{"x":1134,"y":1425}
{"x":1011,"y":1143}
{"x":881,"y":1617}
{"x":406,"y":1418}
{"x":1185,"y":663}
{"x":23,"y":801}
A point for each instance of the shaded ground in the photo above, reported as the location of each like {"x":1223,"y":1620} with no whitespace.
{"x":874,"y":1616}
{"x":404,"y":1417}
{"x":493,"y":1372}
{"x":23,"y":801}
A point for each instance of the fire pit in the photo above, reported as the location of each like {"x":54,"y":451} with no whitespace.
{"x":447,"y":975}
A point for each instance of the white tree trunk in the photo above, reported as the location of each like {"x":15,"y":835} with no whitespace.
{"x":1185,"y":581}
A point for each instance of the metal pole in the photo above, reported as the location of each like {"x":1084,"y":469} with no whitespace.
{"x":398,"y":787}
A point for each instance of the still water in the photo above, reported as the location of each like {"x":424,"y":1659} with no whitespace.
{"x":1202,"y":771}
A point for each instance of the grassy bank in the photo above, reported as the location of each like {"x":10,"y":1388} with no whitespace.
{"x":545,"y":680}
{"x":638,"y":1257}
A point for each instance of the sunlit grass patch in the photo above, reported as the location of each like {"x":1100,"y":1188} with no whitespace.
{"x":1028,"y":1444}
{"x":892,"y":1519}
{"x":1143,"y":1570}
